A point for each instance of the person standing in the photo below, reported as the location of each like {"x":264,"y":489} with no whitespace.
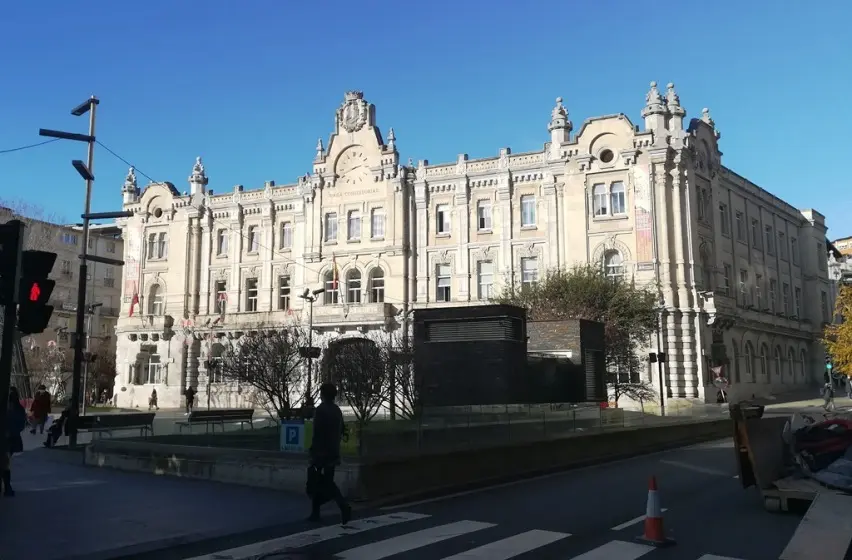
{"x":325,"y":454}
{"x":40,"y":409}
{"x":152,"y":400}
{"x":190,"y":399}
{"x":828,"y":396}
{"x":16,"y":422}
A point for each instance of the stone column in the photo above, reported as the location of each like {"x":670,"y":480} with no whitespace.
{"x":504,"y":207}
{"x":463,"y":270}
{"x":548,"y":190}
{"x":235,"y":257}
{"x":421,"y":204}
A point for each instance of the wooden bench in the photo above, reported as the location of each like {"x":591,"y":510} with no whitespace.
{"x":213,"y":418}
{"x":108,"y":423}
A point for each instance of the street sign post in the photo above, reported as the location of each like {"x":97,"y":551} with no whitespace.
{"x":293,"y":435}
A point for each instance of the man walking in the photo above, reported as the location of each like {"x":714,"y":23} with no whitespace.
{"x":40,"y":409}
{"x":190,"y":399}
{"x":325,"y":455}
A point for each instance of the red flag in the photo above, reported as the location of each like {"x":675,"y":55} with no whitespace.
{"x":335,"y":277}
{"x":133,"y":303}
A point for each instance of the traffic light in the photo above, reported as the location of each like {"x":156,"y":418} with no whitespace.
{"x":828,"y":364}
{"x":34,"y":291}
{"x":11,"y":240}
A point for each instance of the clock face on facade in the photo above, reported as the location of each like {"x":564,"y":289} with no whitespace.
{"x":352,"y":167}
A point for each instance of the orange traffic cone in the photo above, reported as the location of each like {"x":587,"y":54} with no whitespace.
{"x":654,"y":533}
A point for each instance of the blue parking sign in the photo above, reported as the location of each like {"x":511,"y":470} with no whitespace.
{"x":293,"y":435}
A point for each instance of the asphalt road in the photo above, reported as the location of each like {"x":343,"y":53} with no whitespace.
{"x":588,"y":514}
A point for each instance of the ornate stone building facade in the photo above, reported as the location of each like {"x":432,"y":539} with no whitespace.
{"x":740,"y":273}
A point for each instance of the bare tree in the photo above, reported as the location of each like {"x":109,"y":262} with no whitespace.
{"x":41,"y":233}
{"x":361,"y":369}
{"x":102,"y":369}
{"x":268,"y":361}
{"x":49,"y":366}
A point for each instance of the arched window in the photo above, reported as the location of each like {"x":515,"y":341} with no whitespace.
{"x":791,"y":364}
{"x":331,"y":292}
{"x":377,"y":285}
{"x":764,"y":363}
{"x":353,"y":286}
{"x":735,"y":364}
{"x":707,"y":269}
{"x":613,"y":264}
{"x":803,"y":363}
{"x":749,"y":362}
{"x":779,"y":371}
{"x":155,"y":300}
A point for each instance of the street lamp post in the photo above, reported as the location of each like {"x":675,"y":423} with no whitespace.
{"x":310,"y":352}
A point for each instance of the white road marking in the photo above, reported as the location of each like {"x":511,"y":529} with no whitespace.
{"x":714,"y":557}
{"x":616,"y":550}
{"x":634,"y":521}
{"x":513,"y":546}
{"x":412,"y":541}
{"x":567,"y":472}
{"x":307,"y":538}
{"x":62,"y":486}
{"x":695,"y":468}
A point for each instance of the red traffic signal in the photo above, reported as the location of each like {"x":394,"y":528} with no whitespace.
{"x":35,"y":292}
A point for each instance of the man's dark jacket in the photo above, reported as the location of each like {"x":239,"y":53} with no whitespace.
{"x":328,"y":430}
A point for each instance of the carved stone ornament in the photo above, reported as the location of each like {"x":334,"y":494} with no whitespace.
{"x":528,"y":250}
{"x":353,"y":114}
{"x":486,"y":253}
{"x":611,"y":243}
{"x":221,"y":274}
{"x":238,"y":194}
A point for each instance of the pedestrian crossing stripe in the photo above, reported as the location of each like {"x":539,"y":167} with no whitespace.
{"x":308,"y":538}
{"x":396,"y":547}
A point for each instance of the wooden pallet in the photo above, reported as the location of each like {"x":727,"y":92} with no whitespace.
{"x":787,"y":491}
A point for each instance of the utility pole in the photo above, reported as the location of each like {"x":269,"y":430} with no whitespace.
{"x":85,"y":170}
{"x":90,"y":311}
{"x":310,"y":352}
{"x":11,"y":249}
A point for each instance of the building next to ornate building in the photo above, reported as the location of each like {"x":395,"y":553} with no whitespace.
{"x":741,"y":275}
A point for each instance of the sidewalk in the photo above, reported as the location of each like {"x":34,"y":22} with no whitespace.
{"x":75,"y":512}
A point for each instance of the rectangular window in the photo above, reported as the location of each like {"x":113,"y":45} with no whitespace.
{"x":758,"y":291}
{"x":91,"y":243}
{"x":110,"y":247}
{"x":724,"y":219}
{"x":823,"y":301}
{"x":284,"y":293}
{"x":785,"y":297}
{"x":483,"y":215}
{"x":353,"y":232}
{"x":755,"y":234}
{"x":377,"y":223}
{"x":109,"y":277}
{"x":442,"y":219}
{"x":443,"y":282}
{"x":782,"y":245}
{"x":353,"y":287}
{"x":740,"y":219}
{"x":286,"y":235}
{"x":617,"y":198}
{"x":529,"y":272}
{"x":253,"y":239}
{"x":726,"y":286}
{"x":69,"y":238}
{"x":66,"y":268}
{"x":773,"y":294}
{"x":794,"y":250}
{"x":599,"y":200}
{"x":162,"y":246}
{"x":251,"y":294}
{"x":743,"y":287}
{"x":152,"y":245}
{"x":153,"y":369}
{"x":527,"y":211}
{"x":377,"y":286}
{"x":331,"y":226}
{"x":770,"y":240}
{"x":485,"y":278}
{"x":822,"y":256}
{"x":702,"y":200}
{"x":221,"y":296}
{"x":222,"y":242}
{"x":798,"y":302}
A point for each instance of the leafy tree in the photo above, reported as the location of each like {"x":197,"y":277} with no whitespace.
{"x":627,"y":311}
{"x":838,"y":337}
{"x":268,"y":361}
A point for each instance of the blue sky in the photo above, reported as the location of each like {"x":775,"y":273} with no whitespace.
{"x":251,"y":85}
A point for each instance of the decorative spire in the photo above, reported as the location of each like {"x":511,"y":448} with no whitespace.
{"x":320,"y":150}
{"x":653,"y":102}
{"x":705,"y":116}
{"x":130,"y":184}
{"x":391,"y":140}
{"x":673,"y":101}
{"x":559,"y":118}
